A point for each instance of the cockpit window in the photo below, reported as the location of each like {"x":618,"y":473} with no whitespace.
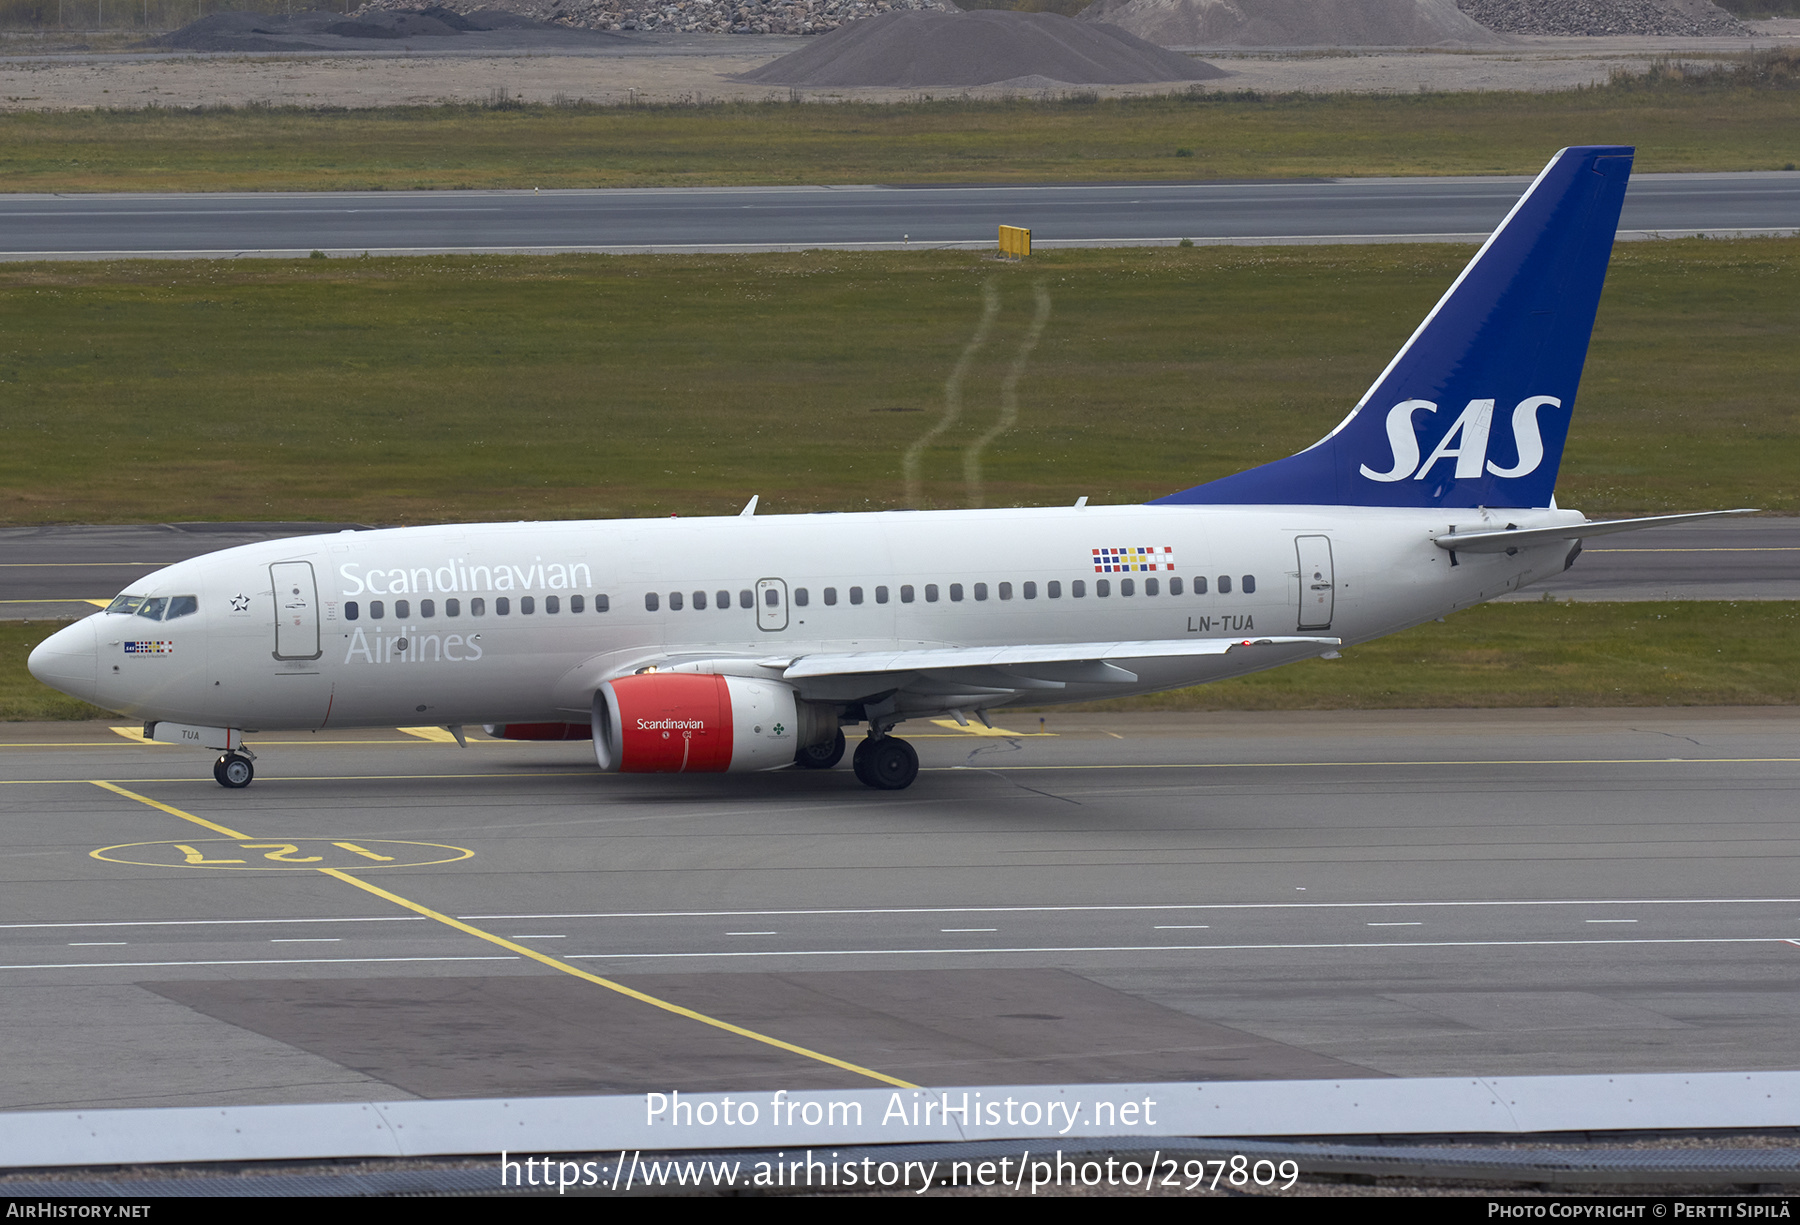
{"x":156,"y":608}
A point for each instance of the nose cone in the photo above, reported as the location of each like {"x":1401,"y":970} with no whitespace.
{"x":67,"y":660}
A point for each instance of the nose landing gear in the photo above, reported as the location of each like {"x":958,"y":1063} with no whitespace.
{"x":885,"y":763}
{"x":233,"y":770}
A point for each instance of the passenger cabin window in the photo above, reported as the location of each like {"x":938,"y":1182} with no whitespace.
{"x":856,"y":595}
{"x":1249,"y":584}
{"x":745,"y":599}
{"x":906,"y":593}
{"x":699,"y":601}
{"x":1102,"y":587}
{"x":351,"y":611}
{"x":1174,"y":586}
{"x":1054,"y":589}
{"x":931,"y":593}
{"x":955,"y":591}
{"x":453,"y":608}
{"x":800,"y":596}
{"x":502,"y":606}
{"x":674,"y":601}
{"x":377,"y":610}
{"x":1199,"y":584}
{"x":527,"y":605}
{"x":981,"y":591}
{"x":576,"y":604}
{"x":1030,"y":591}
{"x":478,"y":607}
{"x":881,"y":595}
{"x":1006,"y":591}
{"x":723,"y":600}
{"x":771,"y":597}
{"x":428,"y":608}
{"x":552,"y":604}
{"x":831,"y":595}
{"x":403,"y":609}
{"x":1127,"y":586}
{"x":1224,"y":584}
{"x":1078,"y":589}
{"x":1151,"y":587}
{"x":650,"y":601}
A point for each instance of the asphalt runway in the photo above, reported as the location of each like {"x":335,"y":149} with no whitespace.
{"x":55,"y":573}
{"x":1127,"y":898}
{"x":782,"y":218}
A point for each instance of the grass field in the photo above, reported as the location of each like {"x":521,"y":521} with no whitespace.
{"x":1675,"y":127}
{"x":1665,"y":654}
{"x":480,"y":388}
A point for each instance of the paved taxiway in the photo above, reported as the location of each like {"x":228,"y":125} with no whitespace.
{"x":60,"y":572}
{"x":1137,"y":897}
{"x":779,"y":218}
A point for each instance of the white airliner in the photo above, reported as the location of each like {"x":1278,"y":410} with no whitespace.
{"x":748,"y":643}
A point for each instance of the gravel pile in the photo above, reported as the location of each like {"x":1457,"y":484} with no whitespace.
{"x":694,"y":16}
{"x":987,"y":47}
{"x":1582,"y":17}
{"x":1295,"y":23}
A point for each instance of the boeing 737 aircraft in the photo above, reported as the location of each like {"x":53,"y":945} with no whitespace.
{"x":749,"y":643}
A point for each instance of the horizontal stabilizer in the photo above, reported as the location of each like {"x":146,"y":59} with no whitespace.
{"x":1522,"y":538}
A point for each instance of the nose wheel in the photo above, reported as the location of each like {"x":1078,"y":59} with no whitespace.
{"x":233,"y":770}
{"x":886,"y":764}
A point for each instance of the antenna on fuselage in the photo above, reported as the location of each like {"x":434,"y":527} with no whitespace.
{"x":749,"y":507}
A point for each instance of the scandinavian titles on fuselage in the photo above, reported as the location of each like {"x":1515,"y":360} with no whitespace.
{"x":456,"y":575}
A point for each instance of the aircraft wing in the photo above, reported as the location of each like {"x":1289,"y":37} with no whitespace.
{"x":1049,"y":666}
{"x":1521,"y":538}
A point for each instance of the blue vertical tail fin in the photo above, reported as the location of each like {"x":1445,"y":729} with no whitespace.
{"x":1475,"y":408}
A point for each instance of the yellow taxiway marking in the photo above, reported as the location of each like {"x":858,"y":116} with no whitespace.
{"x":1752,"y":549}
{"x":437,"y":735}
{"x":276,"y":855}
{"x":533,"y":954}
{"x":136,"y":736}
{"x":974,"y":729}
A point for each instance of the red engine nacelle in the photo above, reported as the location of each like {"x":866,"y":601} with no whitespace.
{"x":675,"y":722}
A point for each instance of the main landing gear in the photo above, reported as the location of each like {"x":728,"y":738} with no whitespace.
{"x":885,"y":763}
{"x":233,"y":770}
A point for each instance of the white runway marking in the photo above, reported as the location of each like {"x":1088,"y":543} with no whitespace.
{"x":262,"y":961}
{"x":1176,"y":948}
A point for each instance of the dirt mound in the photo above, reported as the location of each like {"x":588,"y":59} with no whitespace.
{"x":1295,"y":23}
{"x":1687,"y":18}
{"x":918,"y":49}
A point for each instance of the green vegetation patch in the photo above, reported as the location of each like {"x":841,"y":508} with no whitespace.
{"x":21,"y":696}
{"x":475,"y":388}
{"x":1676,"y":653}
{"x":1497,"y":655}
{"x":1723,"y":124}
